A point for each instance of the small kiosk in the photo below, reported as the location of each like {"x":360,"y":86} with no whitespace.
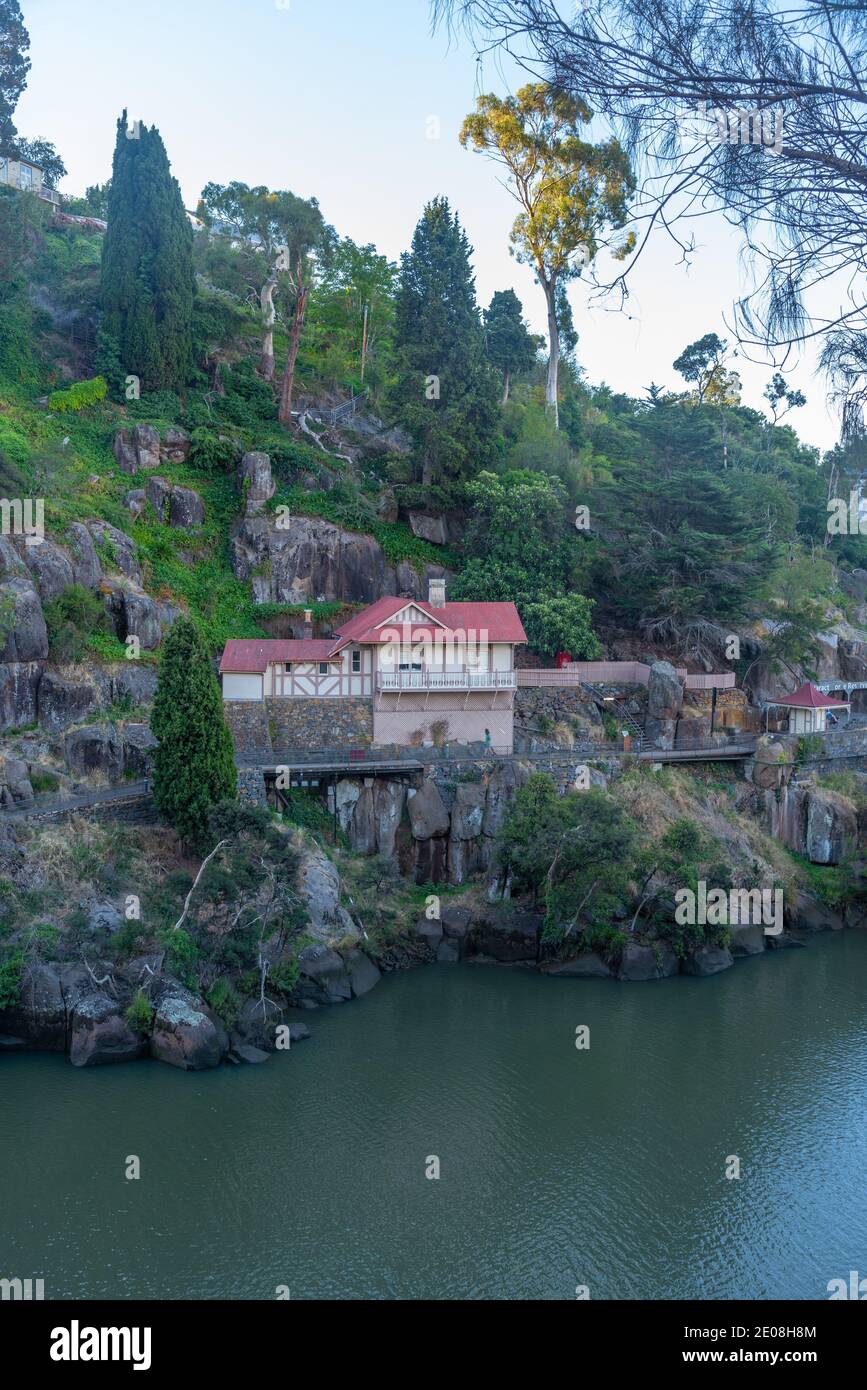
{"x":809,"y":711}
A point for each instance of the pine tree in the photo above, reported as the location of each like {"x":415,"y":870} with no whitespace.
{"x":511,"y":347}
{"x":148,"y":282}
{"x":445,"y":393}
{"x":14,"y":67}
{"x":194,"y":765}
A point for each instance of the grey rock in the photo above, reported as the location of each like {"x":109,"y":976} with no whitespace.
{"x":448,"y":952}
{"x":246,"y":1052}
{"x":707,"y":959}
{"x":429,"y":528}
{"x":100,"y":1034}
{"x":457,"y":922}
{"x":158,"y":492}
{"x":62,"y":702}
{"x":428,"y":816}
{"x":807,"y":914}
{"x":139,"y":746}
{"x":50,"y":567}
{"x":104,"y":916}
{"x":135,"y":501}
{"x":664,"y":691}
{"x":509,"y":937}
{"x":16,"y":778}
{"x":124,"y":452}
{"x":122,"y":546}
{"x":747,"y":939}
{"x":146,"y":442}
{"x":431,"y":933}
{"x":655,"y":962}
{"x":135,"y":614}
{"x":136,"y":680}
{"x":19,"y":682}
{"x":187,"y":510}
{"x":97,"y":748}
{"x":324,"y":977}
{"x":27,"y":638}
{"x":255,"y":473}
{"x":86,"y":568}
{"x":176,"y":445}
{"x":40,"y":1015}
{"x":10,"y":561}
{"x":318,"y":884}
{"x":363,"y":974}
{"x":185,"y":1036}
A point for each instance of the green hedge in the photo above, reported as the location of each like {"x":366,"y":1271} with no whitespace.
{"x":79,"y":396}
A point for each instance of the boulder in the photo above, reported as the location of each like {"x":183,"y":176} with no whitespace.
{"x":427,"y":813}
{"x":97,"y":748}
{"x":121,"y":547}
{"x":254,"y":475}
{"x":158,"y":492}
{"x":39,"y":1018}
{"x":135,"y":680}
{"x":64,"y":701}
{"x":252,"y":1028}
{"x":135,"y":501}
{"x":429,"y":528}
{"x":135,"y":614}
{"x":307,"y":558}
{"x":654,"y":962}
{"x":362,"y":972}
{"x":246,"y":1052}
{"x":664,"y":691}
{"x":318,"y":884}
{"x":457,"y":922}
{"x":512,"y":936}
{"x":186,"y":510}
{"x":587,"y":965}
{"x":50,"y":567}
{"x":430,"y":932}
{"x":747,"y":939}
{"x":448,"y":952}
{"x":86,"y":569}
{"x":660,"y":732}
{"x":175,"y":446}
{"x":19,"y":683}
{"x":124,"y":452}
{"x":707,"y":959}
{"x":26,"y":635}
{"x":389,"y":799}
{"x":184,"y":1036}
{"x":807,"y":914}
{"x":139,"y":746}
{"x":100,"y":1034}
{"x":104,"y":917}
{"x":16,"y":779}
{"x":324,"y":977}
{"x":146,"y":443}
{"x":10,"y":561}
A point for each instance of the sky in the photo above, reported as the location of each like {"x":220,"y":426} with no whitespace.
{"x":355,"y":102}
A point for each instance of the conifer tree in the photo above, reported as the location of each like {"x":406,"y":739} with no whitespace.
{"x":148,"y":282}
{"x":14,"y":67}
{"x":445,"y":392}
{"x":511,"y":346}
{"x":194,"y":765}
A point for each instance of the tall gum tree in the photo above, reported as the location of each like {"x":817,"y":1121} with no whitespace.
{"x":572,"y":194}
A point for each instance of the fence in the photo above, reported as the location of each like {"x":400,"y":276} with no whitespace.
{"x":617,"y":673}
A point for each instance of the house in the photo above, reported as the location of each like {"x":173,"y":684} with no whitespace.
{"x":26,"y":176}
{"x":428,"y":671}
{"x":809,"y":709}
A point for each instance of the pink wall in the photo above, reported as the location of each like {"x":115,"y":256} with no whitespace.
{"x":467,"y":726}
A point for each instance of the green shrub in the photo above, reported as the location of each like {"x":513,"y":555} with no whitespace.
{"x":224,"y":1001}
{"x":80,"y":396}
{"x":72,"y":620}
{"x":140,"y":1014}
{"x":283,"y":977}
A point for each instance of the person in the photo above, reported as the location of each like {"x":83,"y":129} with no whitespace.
{"x":487,"y":738}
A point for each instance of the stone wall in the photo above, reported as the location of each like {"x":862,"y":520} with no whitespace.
{"x":343,"y":723}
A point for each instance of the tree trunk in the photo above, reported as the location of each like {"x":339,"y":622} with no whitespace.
{"x":266,"y":299}
{"x":550,"y":289}
{"x":285,"y":412}
{"x":506,"y":380}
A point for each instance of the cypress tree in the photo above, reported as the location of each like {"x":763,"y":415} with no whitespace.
{"x":445,"y":394}
{"x":148,"y":281}
{"x":511,"y":347}
{"x":194,"y":765}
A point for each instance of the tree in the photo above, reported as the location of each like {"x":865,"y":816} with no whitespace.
{"x":14,"y":67}
{"x":561,"y":624}
{"x":271,"y":232}
{"x":511,"y":346}
{"x":571,"y":193}
{"x":148,"y":283}
{"x":194,"y":765}
{"x":701,"y":362}
{"x":445,"y":392}
{"x":780,"y":398}
{"x":351,"y":313}
{"x":42,"y":153}
{"x":698,"y":89}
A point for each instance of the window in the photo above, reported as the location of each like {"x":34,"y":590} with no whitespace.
{"x":356,"y":663}
{"x":25,"y":178}
{"x":287,"y":667}
{"x":323,"y":668}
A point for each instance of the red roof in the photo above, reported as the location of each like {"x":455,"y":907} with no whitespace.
{"x":808,"y":696}
{"x":498,"y":622}
{"x":254,"y":653}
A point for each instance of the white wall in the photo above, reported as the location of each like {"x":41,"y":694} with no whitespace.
{"x":242,"y":687}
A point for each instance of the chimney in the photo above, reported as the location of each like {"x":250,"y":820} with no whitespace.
{"x":308,"y":622}
{"x":437,"y":593}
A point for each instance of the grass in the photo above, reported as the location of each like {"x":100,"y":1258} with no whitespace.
{"x":353,"y":514}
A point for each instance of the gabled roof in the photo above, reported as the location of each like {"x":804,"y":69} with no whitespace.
{"x":248,"y":654}
{"x":808,"y":696}
{"x":498,"y":622}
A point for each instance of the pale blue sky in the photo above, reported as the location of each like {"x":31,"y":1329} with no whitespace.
{"x":334,"y":100}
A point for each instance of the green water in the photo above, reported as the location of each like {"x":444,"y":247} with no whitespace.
{"x":558,"y":1167}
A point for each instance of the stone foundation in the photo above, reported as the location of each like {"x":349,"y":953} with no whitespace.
{"x":343,"y":723}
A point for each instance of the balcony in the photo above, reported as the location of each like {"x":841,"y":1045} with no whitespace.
{"x":462,"y":679}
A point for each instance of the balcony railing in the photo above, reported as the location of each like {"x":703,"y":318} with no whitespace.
{"x":463,"y":679}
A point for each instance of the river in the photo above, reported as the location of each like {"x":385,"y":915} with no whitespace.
{"x":559,"y":1167}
